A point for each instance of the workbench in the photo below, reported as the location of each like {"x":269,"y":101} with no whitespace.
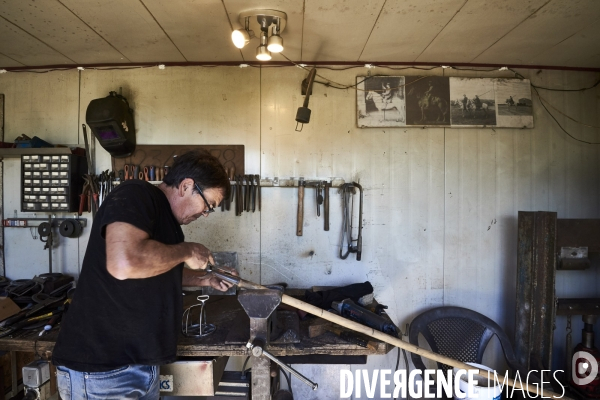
{"x":230,"y":338}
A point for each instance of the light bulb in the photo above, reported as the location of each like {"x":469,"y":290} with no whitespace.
{"x":275,"y":44}
{"x":262,"y":53}
{"x":240,"y":38}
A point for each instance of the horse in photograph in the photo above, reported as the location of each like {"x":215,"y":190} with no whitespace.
{"x":383,"y":105}
{"x":434,"y":104}
{"x":471,"y":109}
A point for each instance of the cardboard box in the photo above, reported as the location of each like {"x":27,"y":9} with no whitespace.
{"x":8,"y":308}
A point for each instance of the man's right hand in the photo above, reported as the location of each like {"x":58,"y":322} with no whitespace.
{"x":200,"y":256}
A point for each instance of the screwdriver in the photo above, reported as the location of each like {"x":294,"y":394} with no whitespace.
{"x":50,"y":324}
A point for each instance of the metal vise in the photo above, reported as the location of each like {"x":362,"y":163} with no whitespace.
{"x":260,"y":305}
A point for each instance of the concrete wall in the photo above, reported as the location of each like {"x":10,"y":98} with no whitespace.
{"x":440,"y":204}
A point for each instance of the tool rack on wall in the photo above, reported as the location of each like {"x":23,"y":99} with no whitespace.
{"x":152,"y":162}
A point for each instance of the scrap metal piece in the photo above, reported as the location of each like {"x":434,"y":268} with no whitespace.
{"x":578,"y":306}
{"x":536,"y":276}
{"x":574,"y":258}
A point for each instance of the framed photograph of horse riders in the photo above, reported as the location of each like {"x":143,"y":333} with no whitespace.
{"x":472,"y":102}
{"x":380,"y":101}
{"x":427,"y":101}
{"x":515,"y":108}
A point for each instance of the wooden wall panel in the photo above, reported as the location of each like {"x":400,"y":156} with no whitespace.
{"x":161,"y":155}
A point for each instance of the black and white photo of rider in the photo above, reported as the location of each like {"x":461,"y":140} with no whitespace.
{"x":427,"y":101}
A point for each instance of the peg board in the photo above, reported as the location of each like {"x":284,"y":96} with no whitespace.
{"x":161,"y":155}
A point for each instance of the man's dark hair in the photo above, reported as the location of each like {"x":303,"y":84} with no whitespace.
{"x":203,"y":168}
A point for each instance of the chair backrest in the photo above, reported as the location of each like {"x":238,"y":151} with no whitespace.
{"x":458,"y":333}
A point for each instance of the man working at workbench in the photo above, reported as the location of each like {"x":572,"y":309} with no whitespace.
{"x":126,"y":313}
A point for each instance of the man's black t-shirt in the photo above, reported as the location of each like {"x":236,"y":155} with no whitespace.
{"x":113,"y":323}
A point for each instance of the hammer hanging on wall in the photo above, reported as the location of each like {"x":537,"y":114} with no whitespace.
{"x":257,"y":177}
{"x":231,"y":174}
{"x":326,"y":204}
{"x":239,"y":201}
{"x":300,"y":219}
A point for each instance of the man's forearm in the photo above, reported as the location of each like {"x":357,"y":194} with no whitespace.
{"x":149,"y":258}
{"x":132,"y":254}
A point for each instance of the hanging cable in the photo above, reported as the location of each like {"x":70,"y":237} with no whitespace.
{"x":289,"y":382}
{"x":518,"y":75}
{"x":543,"y":102}
{"x":244,"y":370}
{"x":562,"y":113}
{"x":558,"y":123}
{"x":331,"y":83}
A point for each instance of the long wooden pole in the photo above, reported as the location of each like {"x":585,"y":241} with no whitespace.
{"x":355,"y":326}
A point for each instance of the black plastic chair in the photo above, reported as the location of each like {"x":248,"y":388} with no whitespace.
{"x":458,"y":333}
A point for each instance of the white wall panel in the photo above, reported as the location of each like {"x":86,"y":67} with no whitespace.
{"x":25,"y":255}
{"x":43,"y":105}
{"x":401,"y":171}
{"x":194,"y":106}
{"x":503,"y":171}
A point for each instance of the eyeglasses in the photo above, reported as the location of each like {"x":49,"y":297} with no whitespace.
{"x":211,"y":209}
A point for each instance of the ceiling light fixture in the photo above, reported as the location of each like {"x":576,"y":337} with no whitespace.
{"x":261,"y":51}
{"x":240,"y":38}
{"x":261,"y":21}
{"x":275,"y":41}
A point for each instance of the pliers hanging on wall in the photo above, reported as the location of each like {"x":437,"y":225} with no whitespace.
{"x":89,"y":195}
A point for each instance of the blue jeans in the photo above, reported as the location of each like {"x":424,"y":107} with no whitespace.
{"x":130,"y":382}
